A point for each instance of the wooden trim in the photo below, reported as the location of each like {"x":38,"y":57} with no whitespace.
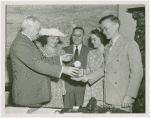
{"x":130,"y":10}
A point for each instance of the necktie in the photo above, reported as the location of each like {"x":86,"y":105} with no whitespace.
{"x":76,"y":54}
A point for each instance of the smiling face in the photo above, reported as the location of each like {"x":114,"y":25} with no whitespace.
{"x":95,"y":41}
{"x":77,"y":36}
{"x":109,"y":28}
{"x":52,"y":41}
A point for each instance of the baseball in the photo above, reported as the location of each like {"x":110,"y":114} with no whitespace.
{"x":77,"y":64}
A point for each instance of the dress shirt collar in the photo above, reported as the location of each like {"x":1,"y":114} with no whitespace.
{"x":113,"y":42}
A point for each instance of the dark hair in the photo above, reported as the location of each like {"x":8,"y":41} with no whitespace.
{"x":111,"y":18}
{"x":59,"y":42}
{"x":78,"y":27}
{"x":43,"y":40}
{"x":101,"y":36}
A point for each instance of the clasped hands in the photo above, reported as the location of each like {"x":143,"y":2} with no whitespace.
{"x":72,"y":71}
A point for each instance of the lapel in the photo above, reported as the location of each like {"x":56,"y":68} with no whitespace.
{"x":70,"y":49}
{"x":116,"y":49}
{"x":106,"y":52}
{"x":35,"y":49}
{"x":27,"y":40}
{"x":82,"y":52}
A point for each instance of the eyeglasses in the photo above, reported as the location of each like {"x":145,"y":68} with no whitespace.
{"x":107,"y":28}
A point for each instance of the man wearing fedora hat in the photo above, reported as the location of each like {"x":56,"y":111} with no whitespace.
{"x":31,"y":87}
{"x":75,"y":89}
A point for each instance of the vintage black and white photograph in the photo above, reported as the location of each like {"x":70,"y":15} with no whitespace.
{"x":74,"y":58}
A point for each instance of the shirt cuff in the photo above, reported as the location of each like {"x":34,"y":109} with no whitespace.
{"x":90,"y":81}
{"x":60,"y":61}
{"x":61,"y":72}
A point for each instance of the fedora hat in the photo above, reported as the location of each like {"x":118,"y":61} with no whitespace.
{"x":51,"y":32}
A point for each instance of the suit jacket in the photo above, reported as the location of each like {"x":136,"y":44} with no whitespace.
{"x":30,"y":71}
{"x":72,"y":85}
{"x":123,"y":70}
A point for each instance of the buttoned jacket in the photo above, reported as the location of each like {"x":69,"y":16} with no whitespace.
{"x":123,"y":70}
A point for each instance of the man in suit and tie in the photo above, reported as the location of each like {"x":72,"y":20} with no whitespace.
{"x":123,"y":66}
{"x":75,"y":89}
{"x":30,"y":86}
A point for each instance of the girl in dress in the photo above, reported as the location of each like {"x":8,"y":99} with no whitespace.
{"x":95,"y":63}
{"x":49,"y":50}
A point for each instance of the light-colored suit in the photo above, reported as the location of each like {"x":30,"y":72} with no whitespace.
{"x":75,"y":86}
{"x":123,"y":70}
{"x":30,"y":71}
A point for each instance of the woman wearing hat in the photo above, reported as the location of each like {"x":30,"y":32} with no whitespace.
{"x":51,"y":49}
